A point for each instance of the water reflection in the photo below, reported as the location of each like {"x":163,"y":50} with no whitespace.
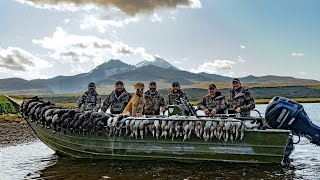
{"x":67,"y":168}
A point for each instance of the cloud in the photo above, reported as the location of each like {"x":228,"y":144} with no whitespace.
{"x":214,"y":67}
{"x":243,"y":47}
{"x":66,"y":21}
{"x":69,"y":48}
{"x":69,"y":7}
{"x":240,"y":60}
{"x":130,"y":7}
{"x":295,"y":54}
{"x":302,"y":73}
{"x":177,"y":62}
{"x":21,"y":63}
{"x":156,"y":18}
{"x":91,"y":21}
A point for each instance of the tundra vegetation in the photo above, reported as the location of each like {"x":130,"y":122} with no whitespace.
{"x":8,"y":113}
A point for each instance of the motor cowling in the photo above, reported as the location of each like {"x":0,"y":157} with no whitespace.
{"x":283,"y":113}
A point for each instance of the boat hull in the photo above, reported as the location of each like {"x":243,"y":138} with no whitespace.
{"x":257,"y":146}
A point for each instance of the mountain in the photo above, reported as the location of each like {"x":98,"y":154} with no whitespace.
{"x":216,"y":77}
{"x":159,"y":62}
{"x":107,"y":73}
{"x":260,"y":79}
{"x":276,"y":79}
{"x":65,"y":84}
{"x":22,"y":86}
{"x":153,"y":73}
{"x":109,"y":68}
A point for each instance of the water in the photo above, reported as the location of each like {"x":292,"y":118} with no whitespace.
{"x":36,"y":161}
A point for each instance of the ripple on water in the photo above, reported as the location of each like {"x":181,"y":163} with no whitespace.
{"x":20,"y":160}
{"x":35,"y":160}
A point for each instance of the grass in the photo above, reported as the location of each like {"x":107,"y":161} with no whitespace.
{"x":315,"y":86}
{"x":21,"y":96}
{"x":6,"y":106}
{"x":66,"y":104}
{"x":222,"y":85}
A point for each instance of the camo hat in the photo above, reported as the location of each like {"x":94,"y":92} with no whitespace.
{"x":236,"y":80}
{"x":212,"y":86}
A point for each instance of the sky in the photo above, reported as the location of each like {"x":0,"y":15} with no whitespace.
{"x":47,"y":38}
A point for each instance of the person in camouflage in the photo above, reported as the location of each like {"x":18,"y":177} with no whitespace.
{"x":213,"y":103}
{"x":117,"y":100}
{"x":175,"y":95}
{"x":90,"y":99}
{"x":240,"y":99}
{"x":153,"y":101}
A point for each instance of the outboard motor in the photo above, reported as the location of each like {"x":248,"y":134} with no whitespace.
{"x":283,"y":113}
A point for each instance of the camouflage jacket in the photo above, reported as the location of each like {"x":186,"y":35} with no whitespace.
{"x":116,"y":103}
{"x":218,"y":102}
{"x":153,"y":102}
{"x":176,"y":96}
{"x":91,"y":101}
{"x":243,"y":99}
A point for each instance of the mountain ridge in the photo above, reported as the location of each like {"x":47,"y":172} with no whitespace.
{"x":108,"y":72}
{"x":159,"y":62}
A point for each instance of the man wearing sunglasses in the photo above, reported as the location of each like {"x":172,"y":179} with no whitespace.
{"x":214,"y":102}
{"x":240,"y":99}
{"x":90,"y":99}
{"x":175,"y":95}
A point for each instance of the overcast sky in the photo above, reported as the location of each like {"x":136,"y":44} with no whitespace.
{"x":46,"y":38}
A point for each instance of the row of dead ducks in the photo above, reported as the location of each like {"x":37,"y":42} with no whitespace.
{"x":89,"y":122}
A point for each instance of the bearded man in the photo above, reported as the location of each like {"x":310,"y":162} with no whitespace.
{"x":153,"y":101}
{"x":214,"y":102}
{"x":240,"y":99}
{"x":90,"y":99}
{"x":117,"y":100}
{"x":175,"y":95}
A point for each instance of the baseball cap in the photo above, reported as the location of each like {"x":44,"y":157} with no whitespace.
{"x":174,"y":84}
{"x":119,"y":82}
{"x":152,"y":83}
{"x":236,"y":80}
{"x":212,"y":86}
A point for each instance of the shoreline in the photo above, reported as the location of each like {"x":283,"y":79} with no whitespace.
{"x":15,"y":133}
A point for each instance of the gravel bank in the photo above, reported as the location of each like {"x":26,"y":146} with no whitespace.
{"x":15,"y":133}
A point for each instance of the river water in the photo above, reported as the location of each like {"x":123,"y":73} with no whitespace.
{"x":36,"y":161}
